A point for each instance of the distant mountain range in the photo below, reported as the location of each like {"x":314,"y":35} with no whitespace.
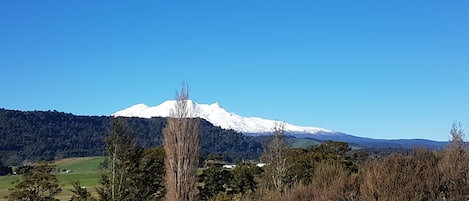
{"x":255,"y":126}
{"x":48,"y":135}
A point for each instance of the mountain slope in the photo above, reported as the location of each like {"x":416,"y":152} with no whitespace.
{"x":218,"y":116}
{"x":49,"y":135}
{"x":254,"y":126}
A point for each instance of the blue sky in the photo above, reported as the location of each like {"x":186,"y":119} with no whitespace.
{"x":380,"y":69}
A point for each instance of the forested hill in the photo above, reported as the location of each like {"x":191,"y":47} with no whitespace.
{"x":48,"y":135}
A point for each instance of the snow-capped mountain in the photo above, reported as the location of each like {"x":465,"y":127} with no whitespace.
{"x":218,"y":116}
{"x":255,"y":126}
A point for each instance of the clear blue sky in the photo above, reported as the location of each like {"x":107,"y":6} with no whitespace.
{"x":381,"y":69}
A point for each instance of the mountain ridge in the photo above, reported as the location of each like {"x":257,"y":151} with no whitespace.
{"x":255,"y":126}
{"x":48,"y":135}
{"x":218,"y":116}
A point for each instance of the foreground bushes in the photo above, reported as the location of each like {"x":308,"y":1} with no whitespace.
{"x":332,"y":171}
{"x":418,"y":176}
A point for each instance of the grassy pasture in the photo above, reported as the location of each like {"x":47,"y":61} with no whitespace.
{"x":302,"y":143}
{"x":84,"y":169}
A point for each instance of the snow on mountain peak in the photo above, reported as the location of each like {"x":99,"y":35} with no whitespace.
{"x":216,"y":115}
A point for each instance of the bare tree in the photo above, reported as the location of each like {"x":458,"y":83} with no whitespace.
{"x":399,"y":177}
{"x":275,"y":155}
{"x":181,"y":144}
{"x":454,"y":166}
{"x":331,"y":181}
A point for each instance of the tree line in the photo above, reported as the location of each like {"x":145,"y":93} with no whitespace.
{"x":329,"y":171}
{"x":50,"y":135}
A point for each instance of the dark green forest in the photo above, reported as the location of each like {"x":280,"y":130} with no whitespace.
{"x":49,"y":135}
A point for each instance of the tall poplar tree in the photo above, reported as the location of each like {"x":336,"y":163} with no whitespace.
{"x":181,"y":144}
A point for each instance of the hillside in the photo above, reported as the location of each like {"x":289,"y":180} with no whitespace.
{"x":49,"y":135}
{"x":256,"y":126}
{"x":219,"y":116}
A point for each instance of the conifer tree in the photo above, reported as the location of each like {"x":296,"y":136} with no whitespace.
{"x":80,"y":193}
{"x":133,"y":173}
{"x":38,"y":184}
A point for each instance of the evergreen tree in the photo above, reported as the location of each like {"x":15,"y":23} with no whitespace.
{"x":133,"y":173}
{"x":36,"y":185}
{"x":214,"y":180}
{"x":5,"y":170}
{"x":244,"y":178}
{"x":80,"y":193}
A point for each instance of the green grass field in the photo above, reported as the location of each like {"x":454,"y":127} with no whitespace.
{"x":302,"y":143}
{"x":84,"y":169}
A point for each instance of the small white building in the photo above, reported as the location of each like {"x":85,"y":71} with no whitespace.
{"x":229,"y":166}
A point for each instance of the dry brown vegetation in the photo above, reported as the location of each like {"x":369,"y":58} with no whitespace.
{"x":323,"y":174}
{"x":275,"y":154}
